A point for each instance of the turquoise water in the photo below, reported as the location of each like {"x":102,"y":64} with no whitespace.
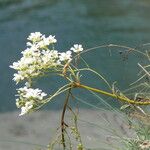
{"x":89,"y":22}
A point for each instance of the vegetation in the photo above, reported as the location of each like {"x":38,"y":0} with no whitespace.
{"x":41,"y":59}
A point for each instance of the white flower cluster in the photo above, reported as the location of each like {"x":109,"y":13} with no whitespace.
{"x":38,"y":58}
{"x":77,"y":48}
{"x":28,"y":98}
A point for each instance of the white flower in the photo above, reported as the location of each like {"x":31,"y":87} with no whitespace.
{"x":43,"y":43}
{"x":32,"y":51}
{"x":34,"y":37}
{"x":28,"y":84}
{"x":65,"y":56}
{"x":77,"y":48}
{"x":17,"y":103}
{"x":34,"y":93}
{"x":25,"y":109}
{"x":18,"y":77}
{"x":28,"y":66}
{"x":15,"y":65}
{"x":23,"y":63}
{"x":51,"y":39}
{"x":46,"y":41}
{"x":28,"y":97}
{"x":29,"y":93}
{"x":54,"y":53}
{"x":29,"y":44}
{"x":37,"y":58}
{"x":50,"y":57}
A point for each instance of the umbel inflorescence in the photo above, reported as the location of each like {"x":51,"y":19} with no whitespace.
{"x":39,"y":58}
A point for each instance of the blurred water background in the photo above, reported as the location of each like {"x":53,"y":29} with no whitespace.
{"x":89,"y":22}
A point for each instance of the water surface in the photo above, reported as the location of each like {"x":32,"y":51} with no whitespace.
{"x":90,"y":22}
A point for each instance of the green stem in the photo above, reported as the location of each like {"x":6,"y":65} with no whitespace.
{"x":121,"y":98}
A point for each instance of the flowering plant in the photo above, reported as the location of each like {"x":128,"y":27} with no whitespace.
{"x":40,"y":58}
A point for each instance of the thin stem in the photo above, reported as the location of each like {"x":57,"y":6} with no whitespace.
{"x":130,"y":49}
{"x":144,"y":69}
{"x":99,"y":75}
{"x":119,"y":97}
{"x":76,"y":124}
{"x":63,"y":125}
